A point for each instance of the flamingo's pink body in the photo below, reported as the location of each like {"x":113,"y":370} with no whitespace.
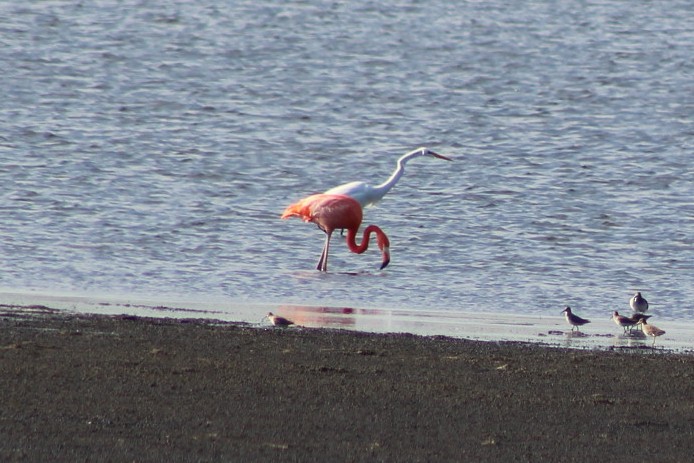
{"x":334,"y":212}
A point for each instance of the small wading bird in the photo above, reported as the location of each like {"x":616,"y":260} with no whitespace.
{"x":638,"y":303}
{"x":277,"y":320}
{"x":639,"y":317}
{"x":624,"y":322}
{"x":333,"y":212}
{"x":651,"y":330}
{"x":368,"y":195}
{"x":574,"y":320}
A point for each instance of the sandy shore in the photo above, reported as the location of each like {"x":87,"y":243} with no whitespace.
{"x":110,"y":388}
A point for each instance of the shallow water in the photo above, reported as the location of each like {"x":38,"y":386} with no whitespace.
{"x":149,"y":149}
{"x":548,"y":330}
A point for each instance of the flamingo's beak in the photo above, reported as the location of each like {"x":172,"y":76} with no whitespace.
{"x":386,"y":257}
{"x":440,"y":156}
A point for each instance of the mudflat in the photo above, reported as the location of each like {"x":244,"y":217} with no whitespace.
{"x":114,"y":388}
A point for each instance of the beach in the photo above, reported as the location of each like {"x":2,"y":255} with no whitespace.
{"x":79,"y":387}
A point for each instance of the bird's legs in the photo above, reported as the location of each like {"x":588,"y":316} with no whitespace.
{"x":323,"y":261}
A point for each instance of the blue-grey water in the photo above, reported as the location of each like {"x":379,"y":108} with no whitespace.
{"x":149,"y":148}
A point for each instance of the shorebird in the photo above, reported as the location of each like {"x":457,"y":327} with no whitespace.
{"x":638,"y":303}
{"x":637,"y":318}
{"x":651,"y":330}
{"x":574,"y":320}
{"x":624,"y":322}
{"x":278,"y":321}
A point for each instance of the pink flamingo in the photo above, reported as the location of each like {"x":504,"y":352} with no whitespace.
{"x":333,"y":212}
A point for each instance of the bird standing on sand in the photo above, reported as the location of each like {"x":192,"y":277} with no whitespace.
{"x":333,"y":212}
{"x":368,"y":195}
{"x":637,"y":318}
{"x":651,"y":330}
{"x":624,"y":322}
{"x":638,"y":303}
{"x":574,"y":320}
{"x":276,"y":320}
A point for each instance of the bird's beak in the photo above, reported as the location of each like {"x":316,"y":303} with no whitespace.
{"x":440,"y":156}
{"x":386,"y":257}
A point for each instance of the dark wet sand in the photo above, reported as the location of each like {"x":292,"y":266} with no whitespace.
{"x":98,"y":388}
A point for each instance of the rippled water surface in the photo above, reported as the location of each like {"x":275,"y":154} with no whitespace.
{"x":150,"y":147}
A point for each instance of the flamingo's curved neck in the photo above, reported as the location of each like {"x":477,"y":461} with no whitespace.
{"x":360,"y":248}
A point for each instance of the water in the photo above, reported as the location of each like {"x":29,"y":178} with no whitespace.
{"x":148,"y":148}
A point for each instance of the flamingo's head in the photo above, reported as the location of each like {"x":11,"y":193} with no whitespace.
{"x":386,"y":257}
{"x":384,"y":245}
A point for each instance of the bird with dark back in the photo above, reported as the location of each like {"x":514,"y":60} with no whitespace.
{"x":574,"y":320}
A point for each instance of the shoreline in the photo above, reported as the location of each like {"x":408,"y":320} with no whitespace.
{"x":89,"y":387}
{"x":551,"y":330}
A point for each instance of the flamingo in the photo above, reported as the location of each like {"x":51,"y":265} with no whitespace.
{"x":368,"y":195}
{"x":332,"y":212}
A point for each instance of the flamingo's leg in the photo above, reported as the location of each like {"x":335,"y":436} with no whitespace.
{"x":323,"y":261}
